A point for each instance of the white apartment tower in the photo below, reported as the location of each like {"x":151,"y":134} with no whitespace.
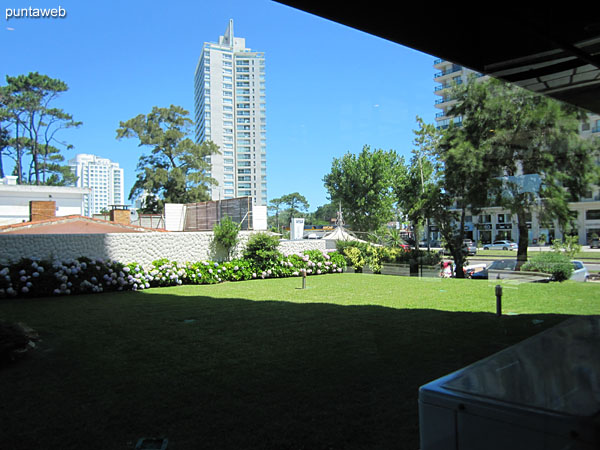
{"x":103,"y":177}
{"x":229,"y":87}
{"x":448,"y":75}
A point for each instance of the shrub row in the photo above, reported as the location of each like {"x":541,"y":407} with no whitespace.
{"x":38,"y":278}
{"x":359,"y":254}
{"x":557,"y":264}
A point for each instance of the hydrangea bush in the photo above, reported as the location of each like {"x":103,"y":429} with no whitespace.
{"x":36,"y":278}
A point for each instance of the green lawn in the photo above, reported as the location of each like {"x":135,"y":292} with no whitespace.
{"x":259,"y":364}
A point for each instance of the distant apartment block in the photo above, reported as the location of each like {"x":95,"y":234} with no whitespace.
{"x":230,"y":102}
{"x":447,"y":75}
{"x":103,"y":177}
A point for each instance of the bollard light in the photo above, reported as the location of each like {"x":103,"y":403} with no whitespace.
{"x":303,"y":278}
{"x":498,"y":300}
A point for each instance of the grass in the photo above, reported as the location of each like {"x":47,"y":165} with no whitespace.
{"x":259,"y":364}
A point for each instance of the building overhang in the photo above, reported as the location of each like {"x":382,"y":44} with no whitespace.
{"x":551,"y":50}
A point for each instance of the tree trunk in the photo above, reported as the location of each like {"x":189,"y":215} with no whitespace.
{"x":457,"y":252}
{"x":523,"y":239}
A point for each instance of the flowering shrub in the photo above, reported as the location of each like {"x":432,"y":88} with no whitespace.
{"x":35,"y":278}
{"x":31,"y":278}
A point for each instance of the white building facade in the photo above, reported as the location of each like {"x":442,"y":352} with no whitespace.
{"x":495,"y":223}
{"x":103,"y":177}
{"x":230,"y":110}
{"x":15,"y":200}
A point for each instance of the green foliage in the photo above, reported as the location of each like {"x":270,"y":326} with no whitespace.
{"x":30,"y":126}
{"x":374,"y":257}
{"x":359,"y":254}
{"x":262,"y":250}
{"x":515,"y":131}
{"x":226,"y":235}
{"x":400,"y":256}
{"x":393,"y":238}
{"x":296,"y":202}
{"x":557,"y":264}
{"x":325,"y":213}
{"x":363,"y":186}
{"x":38,"y":278}
{"x":569,"y":246}
{"x":413,"y":181}
{"x":381,"y":236}
{"x":355,"y":258}
{"x":176,"y":168}
{"x":275,"y":206}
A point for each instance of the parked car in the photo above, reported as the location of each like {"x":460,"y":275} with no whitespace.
{"x":432,"y":244}
{"x":470,"y":247}
{"x":595,"y":243}
{"x":580,"y":272}
{"x":500,"y":264}
{"x":501,"y":245}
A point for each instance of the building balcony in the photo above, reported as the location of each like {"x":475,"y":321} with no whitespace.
{"x":444,"y":101}
{"x":448,"y":71}
{"x":448,"y":85}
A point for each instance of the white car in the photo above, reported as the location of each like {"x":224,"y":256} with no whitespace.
{"x":580,"y":272}
{"x":501,"y":245}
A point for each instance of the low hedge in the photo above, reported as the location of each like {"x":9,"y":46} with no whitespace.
{"x":359,"y":254}
{"x":554,"y":263}
{"x":39,"y":278}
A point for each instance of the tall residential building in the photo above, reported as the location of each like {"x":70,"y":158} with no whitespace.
{"x":103,"y":177}
{"x":448,"y":74}
{"x":229,"y":87}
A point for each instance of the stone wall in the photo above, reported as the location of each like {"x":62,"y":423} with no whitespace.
{"x":129,"y":247}
{"x":298,"y":246}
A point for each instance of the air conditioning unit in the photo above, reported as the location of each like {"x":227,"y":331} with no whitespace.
{"x":540,"y":394}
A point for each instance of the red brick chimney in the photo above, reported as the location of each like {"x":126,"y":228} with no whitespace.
{"x":41,"y":210}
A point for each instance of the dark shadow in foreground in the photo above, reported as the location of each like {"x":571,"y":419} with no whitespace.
{"x":230,"y":373}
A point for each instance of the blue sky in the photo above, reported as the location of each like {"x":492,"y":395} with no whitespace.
{"x":330,"y":89}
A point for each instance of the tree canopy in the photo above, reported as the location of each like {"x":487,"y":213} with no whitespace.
{"x":295,"y":203}
{"x":512,"y":149}
{"x":363,"y":185}
{"x":526,"y":152}
{"x":29,"y":127}
{"x":176,"y":170}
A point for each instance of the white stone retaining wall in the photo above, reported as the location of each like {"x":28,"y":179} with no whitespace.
{"x":298,"y":246}
{"x":129,"y":247}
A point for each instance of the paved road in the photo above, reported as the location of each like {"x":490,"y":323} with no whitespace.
{"x":593,"y":265}
{"x":473,"y":260}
